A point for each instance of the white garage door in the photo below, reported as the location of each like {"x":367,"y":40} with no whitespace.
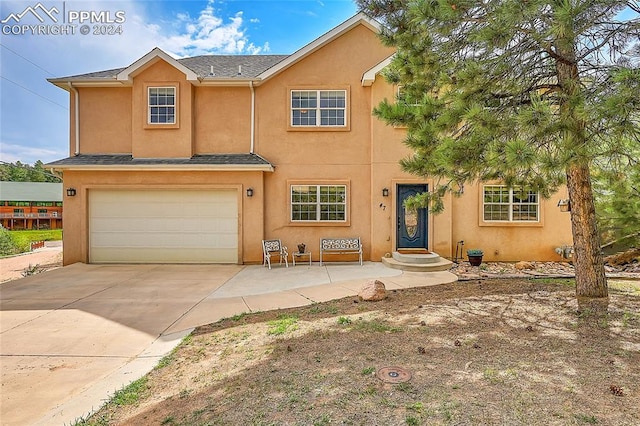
{"x":163,"y":226}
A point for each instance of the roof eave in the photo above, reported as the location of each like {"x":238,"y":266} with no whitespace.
{"x":165,"y":167}
{"x":84,"y":82}
{"x":370,"y":76}
{"x":229,"y":81}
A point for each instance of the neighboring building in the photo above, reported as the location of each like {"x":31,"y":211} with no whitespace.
{"x":30,"y":205}
{"x":199,"y":159}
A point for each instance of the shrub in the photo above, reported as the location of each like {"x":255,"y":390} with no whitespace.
{"x":7,"y":246}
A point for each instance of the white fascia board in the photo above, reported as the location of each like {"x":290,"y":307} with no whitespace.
{"x":64,"y":83}
{"x":354,"y":21}
{"x":370,"y":76}
{"x":149,"y":59}
{"x":227,"y":82}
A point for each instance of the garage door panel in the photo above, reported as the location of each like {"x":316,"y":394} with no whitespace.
{"x":159,"y":255}
{"x":153,"y":225}
{"x":163,"y":226}
{"x":170,"y":240}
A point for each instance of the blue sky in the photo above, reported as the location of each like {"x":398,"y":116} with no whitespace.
{"x":34,"y":114}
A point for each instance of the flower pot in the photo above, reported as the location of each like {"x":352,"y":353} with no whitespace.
{"x":475,"y":260}
{"x":301,"y":248}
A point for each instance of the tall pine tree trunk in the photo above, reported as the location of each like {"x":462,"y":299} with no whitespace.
{"x":591,"y":283}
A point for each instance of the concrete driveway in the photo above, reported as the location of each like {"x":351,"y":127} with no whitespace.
{"x":71,"y":337}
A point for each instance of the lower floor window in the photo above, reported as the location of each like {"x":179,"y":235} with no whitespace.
{"x":318,"y":203}
{"x":504,"y":204}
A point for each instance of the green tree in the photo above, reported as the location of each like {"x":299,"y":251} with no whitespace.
{"x":527,"y":92}
{"x":20,"y":172}
{"x":617,"y":195}
{"x":37,"y":173}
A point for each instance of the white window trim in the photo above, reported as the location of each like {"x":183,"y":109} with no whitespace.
{"x":318,"y":109}
{"x":319,"y":204}
{"x":174,"y":106}
{"x":510,"y":204}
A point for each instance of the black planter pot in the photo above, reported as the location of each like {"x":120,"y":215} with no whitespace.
{"x":475,"y":260}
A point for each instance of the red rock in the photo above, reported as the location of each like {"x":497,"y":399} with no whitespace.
{"x":373,"y":290}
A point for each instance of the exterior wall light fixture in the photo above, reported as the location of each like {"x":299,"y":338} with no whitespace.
{"x":71,"y":192}
{"x":249,"y":192}
{"x":385,"y":192}
{"x":565,"y":205}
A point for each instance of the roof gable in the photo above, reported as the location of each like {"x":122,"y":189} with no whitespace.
{"x":127,"y":74}
{"x":359,"y":19}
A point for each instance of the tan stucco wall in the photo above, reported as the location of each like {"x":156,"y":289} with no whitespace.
{"x":321,"y":156}
{"x":511,"y":241}
{"x":162,"y":141}
{"x":339,"y":64}
{"x":76,"y":209}
{"x":105,"y":120}
{"x":222,"y":120}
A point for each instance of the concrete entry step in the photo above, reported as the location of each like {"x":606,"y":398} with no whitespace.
{"x":417,"y":261}
{"x":420,"y":257}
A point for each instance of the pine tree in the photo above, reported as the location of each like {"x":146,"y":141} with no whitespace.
{"x":617,"y":195}
{"x":527,"y":92}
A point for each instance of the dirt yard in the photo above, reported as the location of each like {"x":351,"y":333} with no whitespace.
{"x":495,"y":352}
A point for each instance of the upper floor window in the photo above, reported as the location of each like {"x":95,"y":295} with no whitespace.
{"x":318,"y":203}
{"x":318,"y":108}
{"x":162,"y":105}
{"x":502,"y":204}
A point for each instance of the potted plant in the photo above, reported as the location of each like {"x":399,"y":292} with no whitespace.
{"x":475,"y":256}
{"x":301,"y":248}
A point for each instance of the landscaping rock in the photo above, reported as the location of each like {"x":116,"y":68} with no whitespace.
{"x":373,"y":291}
{"x":492,"y":270}
{"x":523,"y":265}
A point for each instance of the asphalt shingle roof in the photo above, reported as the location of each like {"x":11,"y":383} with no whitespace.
{"x":224,"y":66}
{"x":128,"y":160}
{"x":228,"y":66}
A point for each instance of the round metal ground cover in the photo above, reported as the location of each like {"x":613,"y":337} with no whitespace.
{"x":394,"y":374}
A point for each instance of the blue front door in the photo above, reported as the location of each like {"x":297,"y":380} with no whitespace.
{"x":411,"y":225}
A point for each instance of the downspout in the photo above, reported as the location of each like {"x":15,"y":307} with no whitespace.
{"x":77,"y":117}
{"x":253,"y":113}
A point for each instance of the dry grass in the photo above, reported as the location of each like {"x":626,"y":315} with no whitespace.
{"x":501,"y":352}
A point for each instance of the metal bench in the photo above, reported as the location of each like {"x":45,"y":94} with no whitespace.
{"x":341,"y":246}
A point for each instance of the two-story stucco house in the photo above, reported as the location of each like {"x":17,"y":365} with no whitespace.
{"x":199,"y":159}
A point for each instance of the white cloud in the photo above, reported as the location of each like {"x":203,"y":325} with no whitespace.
{"x":11,"y":153}
{"x":208,"y":34}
